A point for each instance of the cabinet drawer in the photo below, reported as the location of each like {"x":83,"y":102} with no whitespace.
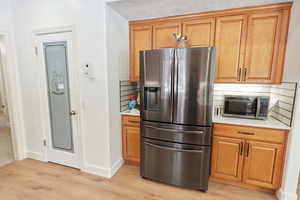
{"x":253,"y":133}
{"x":131,"y":120}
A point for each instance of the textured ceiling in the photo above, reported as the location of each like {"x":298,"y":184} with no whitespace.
{"x":144,"y":9}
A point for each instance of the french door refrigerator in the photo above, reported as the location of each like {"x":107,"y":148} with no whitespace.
{"x":176,"y":111}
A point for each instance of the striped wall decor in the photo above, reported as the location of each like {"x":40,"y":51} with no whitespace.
{"x":282,"y":102}
{"x":127,"y":88}
{"x":281,"y":97}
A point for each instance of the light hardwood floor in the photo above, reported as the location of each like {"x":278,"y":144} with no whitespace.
{"x":34,"y":180}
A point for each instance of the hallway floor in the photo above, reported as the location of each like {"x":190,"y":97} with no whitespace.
{"x":298,"y":190}
{"x":35,"y":180}
{"x":6,"y":150}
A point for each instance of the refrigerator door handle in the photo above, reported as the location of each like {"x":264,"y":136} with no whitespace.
{"x":175,"y":84}
{"x":174,"y":130}
{"x":173,"y":149}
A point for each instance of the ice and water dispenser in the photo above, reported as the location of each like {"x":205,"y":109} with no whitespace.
{"x":152,"y":98}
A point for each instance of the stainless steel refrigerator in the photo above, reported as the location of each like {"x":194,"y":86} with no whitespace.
{"x":176,"y":110}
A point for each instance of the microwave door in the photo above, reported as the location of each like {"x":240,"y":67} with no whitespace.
{"x":193,"y":85}
{"x":156,"y":72}
{"x":240,"y":106}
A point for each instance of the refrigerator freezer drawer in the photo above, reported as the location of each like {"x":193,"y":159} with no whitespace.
{"x":177,"y":133}
{"x":176,"y":164}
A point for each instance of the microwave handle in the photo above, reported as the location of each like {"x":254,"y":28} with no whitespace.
{"x":258,"y":107}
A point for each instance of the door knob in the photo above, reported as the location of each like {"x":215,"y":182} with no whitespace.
{"x":73,"y":112}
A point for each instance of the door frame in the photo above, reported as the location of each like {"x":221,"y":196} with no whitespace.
{"x":13,"y":92}
{"x":43,"y":94}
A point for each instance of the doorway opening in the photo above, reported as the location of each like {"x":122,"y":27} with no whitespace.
{"x":6,"y":144}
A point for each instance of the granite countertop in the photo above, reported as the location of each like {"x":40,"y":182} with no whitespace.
{"x":269,"y":123}
{"x":134,"y":112}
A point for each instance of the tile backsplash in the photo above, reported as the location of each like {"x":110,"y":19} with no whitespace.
{"x":281,"y":97}
{"x":127,"y":88}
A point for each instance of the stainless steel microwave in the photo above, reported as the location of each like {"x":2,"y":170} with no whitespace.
{"x":251,"y":107}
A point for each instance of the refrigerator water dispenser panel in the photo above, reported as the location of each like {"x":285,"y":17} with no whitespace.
{"x":152,"y":98}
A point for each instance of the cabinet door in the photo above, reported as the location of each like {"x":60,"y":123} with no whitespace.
{"x":263,"y":164}
{"x":230,"y":47}
{"x":200,"y":32}
{"x":131,"y":143}
{"x":227,"y":158}
{"x":140,"y":39}
{"x":263,"y":40}
{"x":163,"y":34}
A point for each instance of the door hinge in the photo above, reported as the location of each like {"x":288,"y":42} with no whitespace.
{"x":36,"y":51}
{"x":44,"y":142}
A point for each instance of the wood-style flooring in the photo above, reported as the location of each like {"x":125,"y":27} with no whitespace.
{"x":34,"y":180}
{"x":298,"y":189}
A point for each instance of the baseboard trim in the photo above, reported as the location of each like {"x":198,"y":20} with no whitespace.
{"x":88,"y":168}
{"x":282,"y":195}
{"x":102,"y":171}
{"x":116,"y":166}
{"x":35,"y":156}
{"x":96,"y":170}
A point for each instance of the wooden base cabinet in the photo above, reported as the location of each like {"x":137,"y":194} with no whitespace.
{"x":131,"y":139}
{"x":263,"y":164}
{"x":227,"y":158}
{"x":244,"y":156}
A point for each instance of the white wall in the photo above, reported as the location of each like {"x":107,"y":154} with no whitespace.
{"x":288,"y":190}
{"x":117,"y":53}
{"x":88,"y":17}
{"x":292,"y":61}
{"x":292,"y":73}
{"x":6,"y":24}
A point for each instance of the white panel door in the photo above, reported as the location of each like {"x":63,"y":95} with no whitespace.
{"x":60,"y":100}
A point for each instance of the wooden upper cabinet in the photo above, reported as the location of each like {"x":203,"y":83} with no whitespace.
{"x":227,"y":158}
{"x":230,"y":46}
{"x":140,"y":39}
{"x":250,"y":42}
{"x":163,"y":34}
{"x":262,"y":63}
{"x":200,"y":32}
{"x":263,"y":164}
